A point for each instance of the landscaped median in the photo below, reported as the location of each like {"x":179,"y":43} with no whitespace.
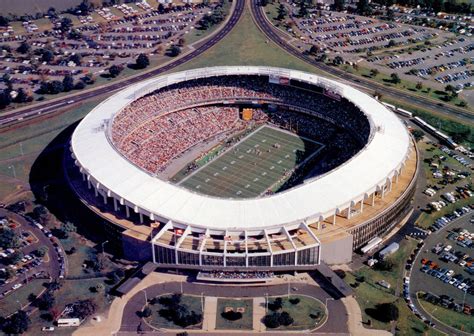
{"x":234,"y":314}
{"x":174,"y":311}
{"x":457,"y":320}
{"x":297,"y":312}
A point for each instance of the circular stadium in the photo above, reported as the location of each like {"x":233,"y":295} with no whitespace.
{"x":244,"y":167}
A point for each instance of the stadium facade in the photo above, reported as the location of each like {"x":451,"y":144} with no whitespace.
{"x":323,"y":219}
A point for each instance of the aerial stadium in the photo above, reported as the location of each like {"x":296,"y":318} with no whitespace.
{"x":244,"y":167}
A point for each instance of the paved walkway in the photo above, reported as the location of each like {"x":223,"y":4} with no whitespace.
{"x":355,"y":320}
{"x":258,"y":313}
{"x":210,"y":313}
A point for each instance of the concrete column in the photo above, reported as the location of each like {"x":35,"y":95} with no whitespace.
{"x":396,"y":177}
{"x":83,"y":176}
{"x":105,"y":198}
{"x":152,"y":250}
{"x":127,"y":211}
{"x":349,"y":212}
{"x":334,"y":219}
{"x":96,"y":193}
{"x":88,"y":184}
{"x":383,"y":191}
{"x":390,"y":186}
{"x":319,"y":225}
{"x":115,"y":204}
{"x":373,"y":198}
{"x":141,"y":217}
{"x":361,"y":206}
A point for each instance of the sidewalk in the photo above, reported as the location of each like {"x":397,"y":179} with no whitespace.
{"x":210,"y":313}
{"x":258,"y":314}
{"x":111,"y":324}
{"x":355,"y":320}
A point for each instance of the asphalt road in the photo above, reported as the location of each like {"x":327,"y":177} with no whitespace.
{"x":421,"y":102}
{"x":336,"y":323}
{"x":49,"y":107}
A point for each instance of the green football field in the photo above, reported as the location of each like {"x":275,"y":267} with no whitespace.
{"x":253,"y":165}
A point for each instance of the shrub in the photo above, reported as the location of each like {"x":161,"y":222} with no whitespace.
{"x":232,"y":315}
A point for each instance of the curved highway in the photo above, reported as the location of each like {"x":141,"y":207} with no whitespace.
{"x":270,"y":31}
{"x":48,"y":107}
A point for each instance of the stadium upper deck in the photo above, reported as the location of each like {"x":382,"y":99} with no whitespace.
{"x":372,"y":170}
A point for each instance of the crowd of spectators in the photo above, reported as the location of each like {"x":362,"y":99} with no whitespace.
{"x":236,"y":275}
{"x":158,"y":127}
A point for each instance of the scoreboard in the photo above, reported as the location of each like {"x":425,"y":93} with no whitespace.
{"x":247,"y":114}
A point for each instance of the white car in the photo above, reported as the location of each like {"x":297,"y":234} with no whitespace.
{"x":462,"y":263}
{"x":450,"y":273}
{"x":47,"y":329}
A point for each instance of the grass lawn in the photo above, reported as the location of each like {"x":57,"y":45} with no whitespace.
{"x":11,"y":303}
{"x":31,"y":139}
{"x":253,"y":165}
{"x":192,"y":302}
{"x":246,"y":45}
{"x":450,"y":317}
{"x":245,"y":323}
{"x":368,"y":294}
{"x":301,"y":313}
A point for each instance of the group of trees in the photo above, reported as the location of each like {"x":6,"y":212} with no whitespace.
{"x":278,"y":317}
{"x":177,"y":312}
{"x":9,"y":238}
{"x":209,"y":20}
{"x":17,"y":323}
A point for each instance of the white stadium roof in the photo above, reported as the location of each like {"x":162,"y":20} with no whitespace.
{"x":106,"y":168}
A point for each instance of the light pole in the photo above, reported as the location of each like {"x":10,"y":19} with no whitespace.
{"x":12,"y":167}
{"x":266,"y":303}
{"x":103,"y":246}
{"x":289,"y":284}
{"x":146,"y":298}
{"x":181,"y":285}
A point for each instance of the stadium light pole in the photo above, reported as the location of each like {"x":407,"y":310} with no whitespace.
{"x":146,"y":297}
{"x":103,"y":247}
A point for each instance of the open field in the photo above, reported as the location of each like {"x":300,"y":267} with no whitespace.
{"x":11,"y":303}
{"x":245,"y":323}
{"x":253,"y":165}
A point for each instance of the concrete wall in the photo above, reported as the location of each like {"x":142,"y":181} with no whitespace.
{"x":338,"y":251}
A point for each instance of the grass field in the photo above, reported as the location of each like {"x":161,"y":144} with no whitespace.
{"x":156,"y":320}
{"x":245,"y":323}
{"x":450,"y":317}
{"x":307,"y":314}
{"x":253,"y":165}
{"x":11,"y":302}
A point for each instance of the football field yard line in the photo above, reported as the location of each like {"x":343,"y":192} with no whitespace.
{"x":241,"y":172}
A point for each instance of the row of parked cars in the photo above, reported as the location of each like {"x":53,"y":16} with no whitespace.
{"x":448,"y":277}
{"x":446,"y":219}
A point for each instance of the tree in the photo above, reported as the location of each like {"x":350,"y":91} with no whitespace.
{"x":45,"y":301}
{"x":161,"y":8}
{"x":146,"y":312}
{"x":55,"y":87}
{"x":174,"y":51}
{"x":181,"y":42}
{"x":22,"y":96}
{"x":363,"y":7}
{"x":47,"y":55}
{"x":68,"y":83}
{"x":281,"y":12}
{"x":277,"y":304}
{"x":18,"y":323}
{"x":387,"y":312}
{"x":418,"y":134}
{"x":391,"y":44}
{"x":23,"y":48}
{"x":68,"y":227}
{"x":395,"y":78}
{"x":449,"y":88}
{"x":8,"y":238}
{"x":115,"y":70}
{"x":84,"y":309}
{"x":294,"y":301}
{"x":65,"y":24}
{"x":142,"y":61}
{"x":232,"y":315}
{"x":15,"y":257}
{"x":303,"y":10}
{"x":339,"y":5}
{"x":263,"y":3}
{"x":419,"y":85}
{"x":437,"y":5}
{"x":5,"y":98}
{"x":338,"y":60}
{"x":285,"y":319}
{"x":76,"y":58}
{"x":271,"y":320}
{"x":41,"y":251}
{"x":4,"y":21}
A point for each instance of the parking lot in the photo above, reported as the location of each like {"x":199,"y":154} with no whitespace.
{"x":445,"y":263}
{"x":30,"y":264}
{"x":109,"y":36}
